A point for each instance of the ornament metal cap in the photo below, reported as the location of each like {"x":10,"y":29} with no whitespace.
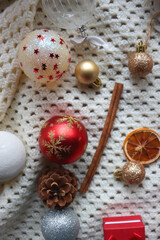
{"x":118,"y":174}
{"x":87,"y":72}
{"x":140,"y":47}
{"x":97,"y":82}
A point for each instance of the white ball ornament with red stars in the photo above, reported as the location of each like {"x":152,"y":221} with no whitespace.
{"x":44,"y":56}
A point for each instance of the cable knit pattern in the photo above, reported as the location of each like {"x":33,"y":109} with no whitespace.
{"x":122,"y":24}
{"x":15,"y":22}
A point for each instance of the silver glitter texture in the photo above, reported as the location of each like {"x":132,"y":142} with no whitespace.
{"x":60,"y":224}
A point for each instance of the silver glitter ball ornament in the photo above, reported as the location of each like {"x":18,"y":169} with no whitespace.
{"x":60,"y":224}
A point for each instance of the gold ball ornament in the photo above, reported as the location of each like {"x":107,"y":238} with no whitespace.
{"x":87,"y":72}
{"x":133,"y":173}
{"x":140,"y":63}
{"x":44,"y":56}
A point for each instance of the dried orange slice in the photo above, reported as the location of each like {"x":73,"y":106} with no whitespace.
{"x":142,"y":145}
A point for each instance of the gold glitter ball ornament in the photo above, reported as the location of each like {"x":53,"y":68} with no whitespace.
{"x":133,"y":173}
{"x":140,"y":63}
{"x":87,"y":72}
{"x":44,"y":56}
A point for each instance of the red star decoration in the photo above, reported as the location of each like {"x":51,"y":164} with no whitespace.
{"x":58,"y":72}
{"x":59,"y":76}
{"x":40,"y":37}
{"x":45,"y":30}
{"x":50,"y":77}
{"x":40,"y":76}
{"x":69,"y":60}
{"x":44,"y":67}
{"x":36,"y":51}
{"x":55,"y":67}
{"x":21,"y":64}
{"x":57,"y":56}
{"x":53,"y":40}
{"x":24,"y":48}
{"x":51,"y":55}
{"x":35,"y":70}
{"x":61,"y":41}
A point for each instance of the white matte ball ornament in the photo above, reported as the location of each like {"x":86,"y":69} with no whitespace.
{"x":44,"y":56}
{"x":12,"y":156}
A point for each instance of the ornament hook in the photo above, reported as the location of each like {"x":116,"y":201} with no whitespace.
{"x":140,"y":47}
{"x":97,"y":83}
{"x":118,"y":174}
{"x":82,"y":31}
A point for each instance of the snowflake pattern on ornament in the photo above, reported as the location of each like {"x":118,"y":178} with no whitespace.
{"x":55,"y":145}
{"x":44,"y":56}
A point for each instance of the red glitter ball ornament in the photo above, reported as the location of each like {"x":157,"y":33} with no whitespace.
{"x":63,"y":139}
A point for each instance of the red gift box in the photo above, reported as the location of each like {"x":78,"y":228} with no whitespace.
{"x":123,"y":228}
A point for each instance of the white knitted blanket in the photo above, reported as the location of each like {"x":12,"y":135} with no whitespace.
{"x":122,"y":24}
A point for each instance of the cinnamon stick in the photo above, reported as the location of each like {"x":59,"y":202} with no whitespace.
{"x":116,"y":95}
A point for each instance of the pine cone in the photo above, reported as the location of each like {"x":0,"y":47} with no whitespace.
{"x":57,"y":187}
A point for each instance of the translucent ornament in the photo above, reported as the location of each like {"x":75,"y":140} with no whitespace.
{"x":73,"y":14}
{"x":69,"y":14}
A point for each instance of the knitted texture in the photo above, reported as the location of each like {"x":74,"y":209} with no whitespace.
{"x":15,"y":21}
{"x":122,"y":24}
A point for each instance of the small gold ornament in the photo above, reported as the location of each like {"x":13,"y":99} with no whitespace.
{"x":87,"y":72}
{"x":132,"y":173}
{"x":140,"y":63}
